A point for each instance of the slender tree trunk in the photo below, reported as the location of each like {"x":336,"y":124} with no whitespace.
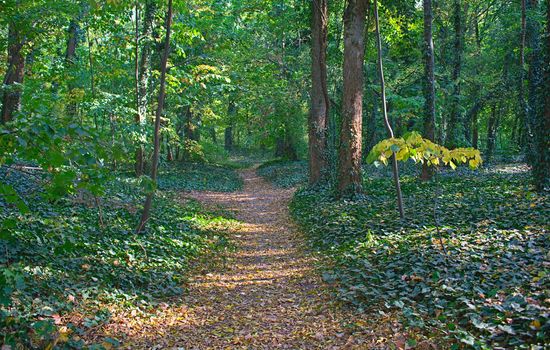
{"x":228,"y":132}
{"x":349,"y":150}
{"x":473,"y":117}
{"x":228,"y":138}
{"x":11,"y":98}
{"x":395,"y":167}
{"x":142,"y":71}
{"x":492,"y":125}
{"x":522,"y":115}
{"x":455,"y":118}
{"x":429,"y":83}
{"x":535,"y":83}
{"x":318,"y":114}
{"x":162,"y":93}
{"x":70,"y":60}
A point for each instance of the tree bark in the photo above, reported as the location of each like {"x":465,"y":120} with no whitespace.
{"x":142,"y":74}
{"x":541,"y":166}
{"x":492,"y":125}
{"x":395,"y":167}
{"x":70,"y":61}
{"x":455,"y":118}
{"x":162,"y":93}
{"x":349,"y":150}
{"x":11,"y":98}
{"x":317,"y":125}
{"x":429,"y":83}
{"x":535,"y":74}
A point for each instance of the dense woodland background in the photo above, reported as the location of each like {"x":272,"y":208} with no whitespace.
{"x":241,"y":82}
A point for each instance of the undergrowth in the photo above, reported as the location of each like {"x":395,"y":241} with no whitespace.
{"x":199,"y":176}
{"x":284,"y":173}
{"x":479,"y":278}
{"x":66,"y":262}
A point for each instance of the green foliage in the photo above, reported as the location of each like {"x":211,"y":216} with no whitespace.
{"x":478,"y":278}
{"x":199,"y":176}
{"x":77,"y":255}
{"x":284,"y":173}
{"x":415,"y":147}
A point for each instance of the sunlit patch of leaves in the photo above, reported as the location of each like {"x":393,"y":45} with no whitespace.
{"x":478,"y":279}
{"x":75,"y":255}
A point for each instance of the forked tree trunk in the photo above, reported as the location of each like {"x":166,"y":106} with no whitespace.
{"x":429,"y":83}
{"x":395,"y":167}
{"x":11,"y":98}
{"x":349,"y":151}
{"x":162,"y":93}
{"x":317,"y":125}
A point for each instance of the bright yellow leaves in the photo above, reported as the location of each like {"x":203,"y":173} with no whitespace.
{"x":422,"y":150}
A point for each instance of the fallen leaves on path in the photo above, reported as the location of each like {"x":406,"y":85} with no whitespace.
{"x":268,"y":295}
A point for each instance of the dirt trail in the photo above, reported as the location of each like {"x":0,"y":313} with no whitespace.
{"x":267,"y":297}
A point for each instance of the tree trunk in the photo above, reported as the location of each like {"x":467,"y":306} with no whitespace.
{"x":492,"y":125}
{"x":70,"y":61}
{"x":349,"y":150}
{"x":319,"y":94}
{"x":162,"y":92}
{"x":228,"y":138}
{"x":189,"y":129}
{"x":535,"y":83}
{"x":429,"y":83}
{"x":11,"y":98}
{"x":455,"y":118}
{"x":522,"y":115}
{"x":142,"y":74}
{"x":284,"y":146}
{"x":541,"y":167}
{"x":395,"y":167}
{"x":474,"y":117}
{"x":213,"y":135}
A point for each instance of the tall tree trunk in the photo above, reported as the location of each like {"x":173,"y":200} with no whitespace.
{"x":228,"y":132}
{"x":189,"y":128}
{"x":318,"y":114}
{"x":455,"y":118}
{"x":474,"y":117}
{"x":395,"y":167}
{"x":162,"y":93}
{"x":535,"y":76}
{"x":284,"y":146}
{"x":492,"y":125}
{"x":11,"y":98}
{"x":228,"y":138}
{"x":522,"y":115}
{"x":541,"y":167}
{"x":70,"y":61}
{"x":429,"y":82}
{"x":349,"y":150}
{"x":142,"y":74}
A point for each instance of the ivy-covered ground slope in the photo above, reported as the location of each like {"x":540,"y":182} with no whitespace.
{"x":479,"y":278}
{"x":200,"y":177}
{"x":68,"y":264}
{"x":284,"y":173}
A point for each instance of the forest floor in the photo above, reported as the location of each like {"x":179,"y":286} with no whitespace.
{"x":267,"y":295}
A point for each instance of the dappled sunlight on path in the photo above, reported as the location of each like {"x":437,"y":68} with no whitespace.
{"x":267,"y":296}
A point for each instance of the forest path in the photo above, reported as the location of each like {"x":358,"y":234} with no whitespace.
{"x":268,"y":296}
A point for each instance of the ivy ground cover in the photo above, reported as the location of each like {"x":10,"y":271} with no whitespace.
{"x":68,"y":262}
{"x":467,"y":268}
